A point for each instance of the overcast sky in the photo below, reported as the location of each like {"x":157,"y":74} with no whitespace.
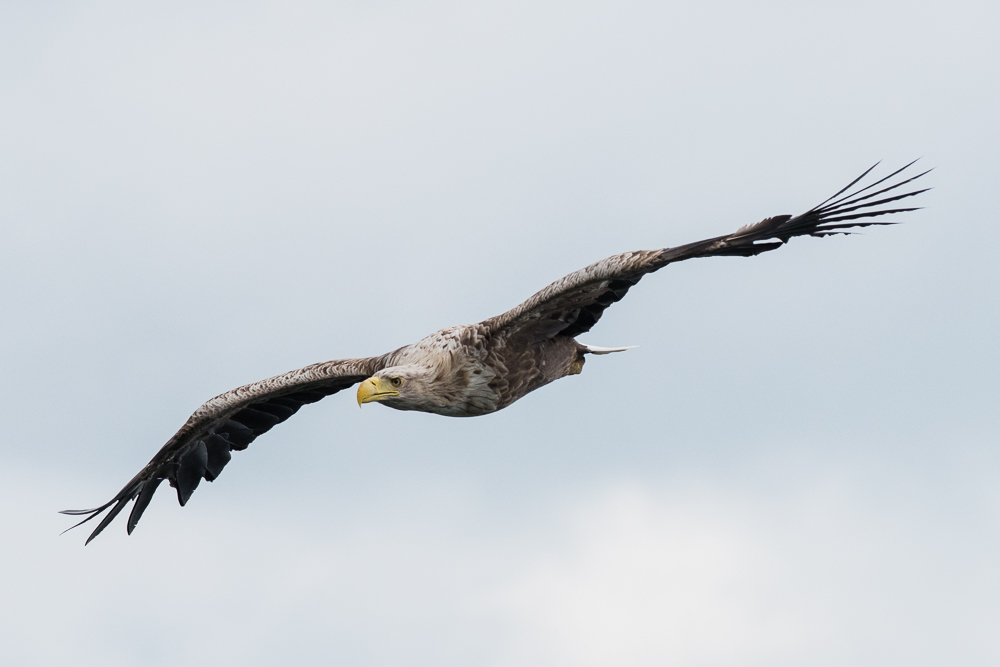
{"x":798,"y":466}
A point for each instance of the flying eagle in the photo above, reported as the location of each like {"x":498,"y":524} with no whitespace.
{"x":475,"y":369}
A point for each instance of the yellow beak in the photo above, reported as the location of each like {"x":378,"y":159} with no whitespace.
{"x":375,"y":389}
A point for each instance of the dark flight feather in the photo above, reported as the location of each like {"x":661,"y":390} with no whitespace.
{"x":229,"y":422}
{"x":588,"y":291}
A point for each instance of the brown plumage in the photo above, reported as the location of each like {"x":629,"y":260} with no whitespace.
{"x":469,"y":370}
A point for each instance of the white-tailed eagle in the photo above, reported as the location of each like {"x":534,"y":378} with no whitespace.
{"x":476,"y":369}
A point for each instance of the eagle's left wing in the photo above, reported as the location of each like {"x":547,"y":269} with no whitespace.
{"x":228,"y":422}
{"x":573,"y":304}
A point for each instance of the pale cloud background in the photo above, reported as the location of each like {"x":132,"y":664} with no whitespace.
{"x":798,"y":467}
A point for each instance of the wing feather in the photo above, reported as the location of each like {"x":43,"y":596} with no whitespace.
{"x":229,"y":422}
{"x":572,"y":305}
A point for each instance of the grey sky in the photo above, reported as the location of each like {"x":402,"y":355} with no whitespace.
{"x":797,"y":467}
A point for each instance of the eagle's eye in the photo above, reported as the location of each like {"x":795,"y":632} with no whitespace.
{"x":396,"y":382}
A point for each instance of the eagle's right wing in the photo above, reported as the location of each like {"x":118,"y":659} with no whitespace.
{"x":573,"y":304}
{"x":228,"y":422}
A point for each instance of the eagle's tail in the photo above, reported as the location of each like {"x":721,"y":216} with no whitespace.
{"x":593,"y":349}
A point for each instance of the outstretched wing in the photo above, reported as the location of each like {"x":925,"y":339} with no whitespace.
{"x":572,"y":305}
{"x":229,"y":422}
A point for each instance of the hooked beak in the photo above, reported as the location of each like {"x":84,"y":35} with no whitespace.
{"x":375,"y":389}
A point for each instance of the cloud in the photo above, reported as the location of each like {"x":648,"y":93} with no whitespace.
{"x":682,"y":570}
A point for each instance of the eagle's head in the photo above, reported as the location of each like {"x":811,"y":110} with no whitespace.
{"x":407,"y":387}
{"x":443,"y":390}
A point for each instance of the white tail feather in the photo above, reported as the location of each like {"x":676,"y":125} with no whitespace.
{"x":593,"y":349}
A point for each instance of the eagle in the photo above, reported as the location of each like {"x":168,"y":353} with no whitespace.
{"x":474,"y":369}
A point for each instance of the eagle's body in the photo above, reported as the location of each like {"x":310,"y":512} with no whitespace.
{"x":469,"y":370}
{"x":457,"y":368}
